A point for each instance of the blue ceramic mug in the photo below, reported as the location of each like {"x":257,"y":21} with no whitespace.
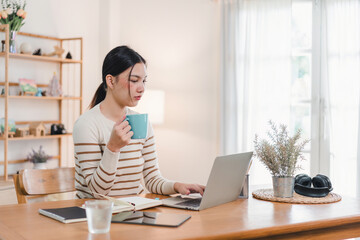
{"x":138,"y":123}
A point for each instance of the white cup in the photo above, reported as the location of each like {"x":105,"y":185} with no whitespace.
{"x":98,"y":214}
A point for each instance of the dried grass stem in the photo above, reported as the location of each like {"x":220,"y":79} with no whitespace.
{"x":281,"y":153}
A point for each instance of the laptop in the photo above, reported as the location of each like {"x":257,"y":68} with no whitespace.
{"x":224,"y":184}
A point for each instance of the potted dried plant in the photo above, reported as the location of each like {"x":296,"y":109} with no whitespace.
{"x":280,"y":154}
{"x":39,"y":158}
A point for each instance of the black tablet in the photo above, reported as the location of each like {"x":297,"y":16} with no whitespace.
{"x":150,"y":218}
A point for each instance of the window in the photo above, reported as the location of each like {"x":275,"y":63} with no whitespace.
{"x":294,"y":62}
{"x":301,"y":76}
{"x":325,"y":87}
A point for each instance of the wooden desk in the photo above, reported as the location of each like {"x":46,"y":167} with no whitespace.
{"x":241,"y":219}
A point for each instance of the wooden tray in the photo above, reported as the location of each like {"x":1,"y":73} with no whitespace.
{"x":268,"y":195}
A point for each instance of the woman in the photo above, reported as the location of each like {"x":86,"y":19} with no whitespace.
{"x":108,"y":161}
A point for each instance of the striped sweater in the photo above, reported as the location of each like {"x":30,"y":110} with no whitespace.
{"x":98,"y":170}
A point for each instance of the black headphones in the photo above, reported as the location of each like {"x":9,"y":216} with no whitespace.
{"x":321,"y":185}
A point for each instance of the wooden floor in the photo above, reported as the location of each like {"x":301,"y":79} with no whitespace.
{"x":7,"y":193}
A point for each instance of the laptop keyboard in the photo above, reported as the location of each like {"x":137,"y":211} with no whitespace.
{"x":190,"y":203}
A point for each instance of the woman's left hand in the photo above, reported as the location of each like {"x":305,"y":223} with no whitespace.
{"x":186,"y":189}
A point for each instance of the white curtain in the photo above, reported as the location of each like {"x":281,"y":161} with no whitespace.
{"x":256,"y":72}
{"x":340,"y":78}
{"x":230,"y":107}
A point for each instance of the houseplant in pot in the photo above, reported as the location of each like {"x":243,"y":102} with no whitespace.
{"x":39,"y":158}
{"x":13,"y":13}
{"x":281,"y":155}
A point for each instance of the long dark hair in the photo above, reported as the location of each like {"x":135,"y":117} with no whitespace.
{"x":116,"y":61}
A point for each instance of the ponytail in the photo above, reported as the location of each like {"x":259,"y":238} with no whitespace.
{"x":99,"y":96}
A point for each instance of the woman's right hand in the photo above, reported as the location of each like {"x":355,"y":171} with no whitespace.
{"x":120,"y":135}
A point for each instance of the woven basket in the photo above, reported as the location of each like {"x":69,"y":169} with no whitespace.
{"x":268,"y":195}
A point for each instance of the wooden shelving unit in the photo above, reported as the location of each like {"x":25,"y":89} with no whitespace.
{"x":7,"y":55}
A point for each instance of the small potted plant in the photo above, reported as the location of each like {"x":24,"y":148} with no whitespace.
{"x":39,"y":158}
{"x":280,"y":154}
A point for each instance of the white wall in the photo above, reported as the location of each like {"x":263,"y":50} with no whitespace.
{"x":180,"y":41}
{"x":68,"y":18}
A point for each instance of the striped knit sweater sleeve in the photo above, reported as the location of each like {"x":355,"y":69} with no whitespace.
{"x":154,"y":181}
{"x":98,"y":170}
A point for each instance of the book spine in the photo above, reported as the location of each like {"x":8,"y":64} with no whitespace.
{"x":52,"y":215}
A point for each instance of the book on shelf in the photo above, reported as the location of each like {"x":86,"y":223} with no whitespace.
{"x":78,"y":214}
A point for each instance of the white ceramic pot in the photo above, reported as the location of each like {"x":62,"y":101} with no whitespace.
{"x":40,"y":166}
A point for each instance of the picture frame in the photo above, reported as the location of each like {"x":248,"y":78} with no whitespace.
{"x":27,"y":86}
{"x":11,"y":125}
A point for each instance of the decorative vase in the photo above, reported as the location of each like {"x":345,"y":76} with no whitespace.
{"x":283,"y":186}
{"x":12,"y":43}
{"x":40,"y":166}
{"x":26,"y":48}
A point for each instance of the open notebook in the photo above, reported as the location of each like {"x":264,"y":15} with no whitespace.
{"x":132,"y":203}
{"x":78,"y":214}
